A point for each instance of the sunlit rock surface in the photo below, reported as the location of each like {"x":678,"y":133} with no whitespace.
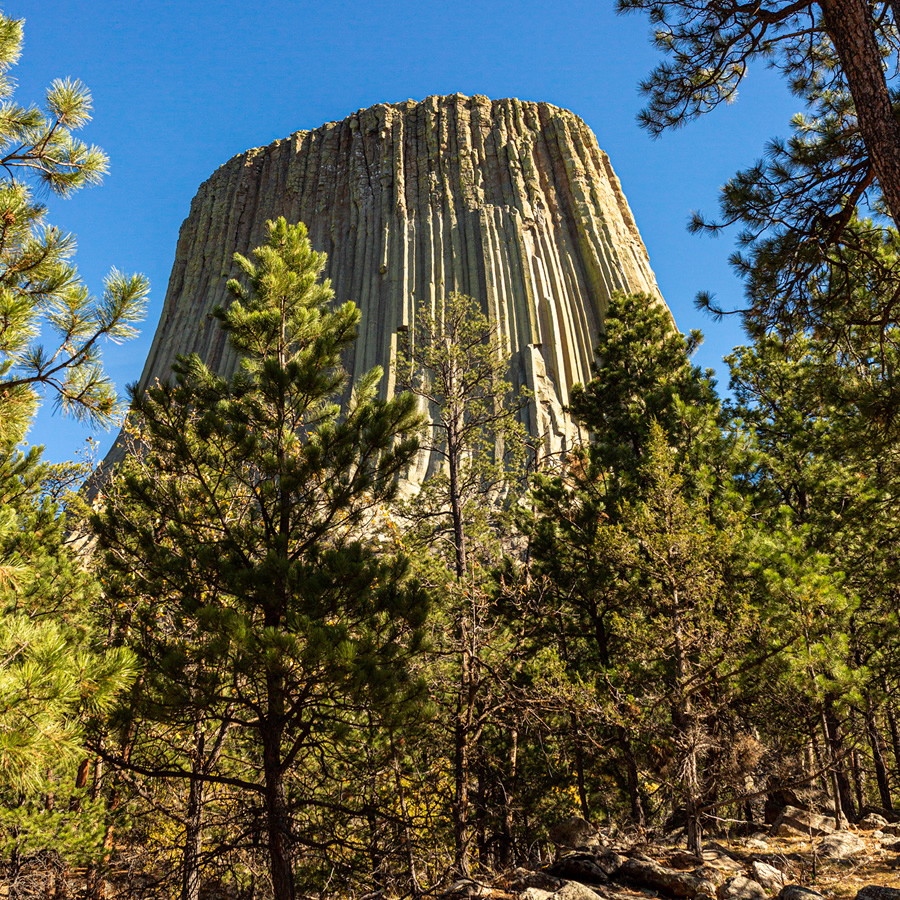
{"x":511,"y":202}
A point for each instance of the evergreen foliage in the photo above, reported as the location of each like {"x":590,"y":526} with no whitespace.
{"x":240,"y":529}
{"x":39,"y":285}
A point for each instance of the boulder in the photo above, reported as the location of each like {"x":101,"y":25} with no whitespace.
{"x":574,"y":890}
{"x":795,"y":892}
{"x":574,"y":833}
{"x":741,"y":888}
{"x":840,"y":845}
{"x":466,"y":887}
{"x":583,"y":867}
{"x":533,"y":893}
{"x":875,"y":892}
{"x":681,"y":859}
{"x":647,"y":873}
{"x":794,"y":821}
{"x":768,"y":876}
{"x":872,"y":822}
{"x":523,"y":879}
{"x":892,"y":828}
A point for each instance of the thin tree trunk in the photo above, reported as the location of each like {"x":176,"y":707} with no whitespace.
{"x":878,"y":759}
{"x":461,"y":765}
{"x":851,"y":29}
{"x":631,"y":773}
{"x":415,"y":888}
{"x":685,"y":727}
{"x":895,"y":735}
{"x":836,"y":739}
{"x":859,"y":774}
{"x":481,"y":795}
{"x":579,"y":767}
{"x":277,"y":817}
{"x":839,"y":818}
{"x":509,"y":796}
{"x":193,"y":824}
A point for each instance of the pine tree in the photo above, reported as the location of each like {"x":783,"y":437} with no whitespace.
{"x":55,"y":673}
{"x":244,"y":515}
{"x":453,"y":361}
{"x":801,"y":206}
{"x":40,"y":291}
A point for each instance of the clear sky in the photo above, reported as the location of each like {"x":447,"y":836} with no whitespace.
{"x":180,"y":86}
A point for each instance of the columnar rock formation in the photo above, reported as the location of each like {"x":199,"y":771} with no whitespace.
{"x":511,"y":202}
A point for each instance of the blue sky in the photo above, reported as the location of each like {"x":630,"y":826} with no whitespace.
{"x":180,"y":87}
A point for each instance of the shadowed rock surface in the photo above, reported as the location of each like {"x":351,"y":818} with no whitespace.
{"x":511,"y":202}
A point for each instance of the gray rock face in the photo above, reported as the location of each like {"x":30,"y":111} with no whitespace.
{"x":741,"y":888}
{"x":574,"y":834}
{"x":795,"y":892}
{"x":793,"y":821}
{"x":841,"y":845}
{"x":511,"y":202}
{"x":875,"y":892}
{"x":768,"y":876}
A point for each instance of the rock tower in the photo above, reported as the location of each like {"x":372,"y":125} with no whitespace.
{"x":511,"y":202}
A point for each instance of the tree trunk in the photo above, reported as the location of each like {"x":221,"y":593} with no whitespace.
{"x":686,"y":726}
{"x":631,"y":772}
{"x":836,"y":739}
{"x":878,"y":757}
{"x":461,"y":766}
{"x":859,"y":773}
{"x":193,"y":837}
{"x":851,"y":29}
{"x":277,"y":817}
{"x":459,"y":535}
{"x":509,"y":795}
{"x":579,"y":767}
{"x":839,"y":817}
{"x":895,"y":736}
{"x":193,"y":824}
{"x":415,"y":888}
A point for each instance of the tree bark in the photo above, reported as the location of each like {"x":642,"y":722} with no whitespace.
{"x":277,"y":818}
{"x":837,"y":754}
{"x":634,"y":785}
{"x":851,"y":29}
{"x":461,"y":765}
{"x":878,"y":757}
{"x":509,"y":795}
{"x":193,"y":829}
{"x":895,"y":736}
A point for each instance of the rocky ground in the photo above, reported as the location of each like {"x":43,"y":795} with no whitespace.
{"x":800,"y":857}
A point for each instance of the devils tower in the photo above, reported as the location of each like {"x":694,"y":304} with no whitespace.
{"x":511,"y":202}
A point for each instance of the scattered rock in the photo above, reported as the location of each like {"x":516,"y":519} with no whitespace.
{"x":609,"y":861}
{"x":874,"y":892}
{"x":741,"y":888}
{"x":583,"y":867}
{"x":678,"y":884}
{"x":573,"y":890}
{"x":768,"y":876}
{"x":681,"y":859}
{"x":574,"y":833}
{"x":872,"y":822}
{"x":533,"y":893}
{"x":708,"y":873}
{"x":795,"y":892}
{"x":522,"y":879}
{"x":892,"y":828}
{"x":466,"y":887}
{"x":719,"y":858}
{"x":840,"y":845}
{"x":803,"y":822}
